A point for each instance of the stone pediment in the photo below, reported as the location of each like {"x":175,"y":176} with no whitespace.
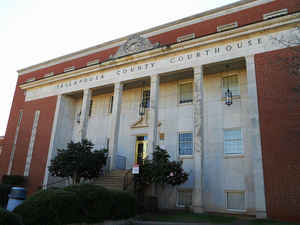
{"x":134,"y":44}
{"x":143,"y":121}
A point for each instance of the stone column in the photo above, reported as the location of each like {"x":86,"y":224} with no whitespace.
{"x":254,"y":139}
{"x":86,"y":103}
{"x":197,"y":203}
{"x":115,"y":124}
{"x":153,"y":120}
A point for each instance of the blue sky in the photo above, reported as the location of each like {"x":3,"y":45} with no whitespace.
{"x":33,"y":31}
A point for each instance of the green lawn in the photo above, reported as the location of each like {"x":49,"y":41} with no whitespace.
{"x":213,"y":218}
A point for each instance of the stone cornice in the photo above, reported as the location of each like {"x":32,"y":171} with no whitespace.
{"x":240,"y":5}
{"x":166,"y":50}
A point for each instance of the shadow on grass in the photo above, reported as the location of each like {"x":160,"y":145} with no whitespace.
{"x":213,"y":218}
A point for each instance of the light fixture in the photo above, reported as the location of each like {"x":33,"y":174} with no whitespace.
{"x":228,"y":97}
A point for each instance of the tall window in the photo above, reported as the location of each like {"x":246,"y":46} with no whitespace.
{"x":186,"y":143}
{"x":91,"y":106}
{"x":111,"y":102}
{"x":185,"y":92}
{"x":231,"y":83}
{"x":233,"y":141}
{"x":146,"y":98}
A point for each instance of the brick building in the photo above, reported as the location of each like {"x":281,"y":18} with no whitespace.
{"x":216,"y":90}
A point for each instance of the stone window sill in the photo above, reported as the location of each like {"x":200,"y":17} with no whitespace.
{"x":230,"y":156}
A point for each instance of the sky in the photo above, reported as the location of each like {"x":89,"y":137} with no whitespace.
{"x":34,"y":31}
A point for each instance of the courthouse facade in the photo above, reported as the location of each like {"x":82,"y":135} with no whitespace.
{"x":212,"y":89}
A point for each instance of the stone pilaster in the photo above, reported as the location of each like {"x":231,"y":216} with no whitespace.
{"x":197,"y":203}
{"x":254,"y":139}
{"x":153,"y":120}
{"x":115,"y":124}
{"x":86,"y":103}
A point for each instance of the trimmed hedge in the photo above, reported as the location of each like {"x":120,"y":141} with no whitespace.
{"x":124,"y":205}
{"x":4,"y":191}
{"x":76,"y":204}
{"x":50,"y":207}
{"x":94,"y":202}
{"x":14,"y":180}
{"x":9,"y":218}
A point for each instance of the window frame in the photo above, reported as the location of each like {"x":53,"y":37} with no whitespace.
{"x":177,"y":196}
{"x":235,"y":191}
{"x":110,"y":104}
{"x":233,"y":155}
{"x":178,"y":144}
{"x":182,"y":82}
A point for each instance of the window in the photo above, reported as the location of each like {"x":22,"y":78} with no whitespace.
{"x":111,"y":102}
{"x":184,"y":198}
{"x":233,"y":141}
{"x":231,"y":83}
{"x":235,"y":200}
{"x":185,"y":92}
{"x":146,"y":98}
{"x":91,"y":106}
{"x":185,"y":144}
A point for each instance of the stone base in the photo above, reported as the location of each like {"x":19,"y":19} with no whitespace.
{"x":197,"y":209}
{"x":261,"y":214}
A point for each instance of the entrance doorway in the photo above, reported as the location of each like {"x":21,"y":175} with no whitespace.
{"x":140,"y":149}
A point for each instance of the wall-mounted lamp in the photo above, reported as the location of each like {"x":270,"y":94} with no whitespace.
{"x":228,"y":97}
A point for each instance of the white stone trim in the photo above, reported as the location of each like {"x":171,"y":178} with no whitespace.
{"x":276,"y":13}
{"x":225,"y":10}
{"x":153,"y":120}
{"x":198,"y":139}
{"x":93,"y":62}
{"x":68,"y":69}
{"x":254,"y":138}
{"x":115,"y":123}
{"x":49,"y":74}
{"x":31,"y":143}
{"x":185,"y":37}
{"x":228,"y":26}
{"x":51,"y":144}
{"x":12,"y":154}
{"x":85,"y":108}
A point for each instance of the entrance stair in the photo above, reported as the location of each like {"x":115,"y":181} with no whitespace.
{"x":116,"y":179}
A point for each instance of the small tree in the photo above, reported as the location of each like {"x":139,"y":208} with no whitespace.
{"x":160,"y":171}
{"x":78,"y":161}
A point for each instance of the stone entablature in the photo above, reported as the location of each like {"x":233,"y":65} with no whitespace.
{"x":164,"y":63}
{"x":244,"y":13}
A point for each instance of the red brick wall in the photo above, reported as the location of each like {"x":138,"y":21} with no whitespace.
{"x":279,"y":111}
{"x":40,"y":152}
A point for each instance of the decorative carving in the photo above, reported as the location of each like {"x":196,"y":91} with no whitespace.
{"x":134,"y":44}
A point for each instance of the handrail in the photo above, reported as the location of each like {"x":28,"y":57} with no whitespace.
{"x":57,"y":182}
{"x":126,"y":183}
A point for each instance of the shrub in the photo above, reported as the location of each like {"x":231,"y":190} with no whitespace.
{"x":9,"y":218}
{"x":124,"y":205}
{"x":50,"y":207}
{"x":14,"y":180}
{"x":4,"y":191}
{"x":95,"y":202}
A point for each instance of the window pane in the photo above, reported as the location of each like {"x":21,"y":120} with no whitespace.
{"x":186,"y":92}
{"x":236,"y":200}
{"x":184,"y":198}
{"x":233,"y":141}
{"x":185,"y":144}
{"x":146,"y":98}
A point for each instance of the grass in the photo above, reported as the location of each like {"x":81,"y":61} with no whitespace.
{"x":212,"y":218}
{"x":189,"y":217}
